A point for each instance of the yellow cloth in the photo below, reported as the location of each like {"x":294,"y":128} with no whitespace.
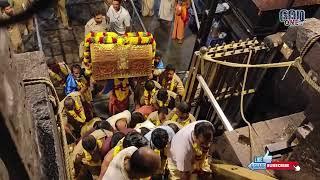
{"x":89,"y":125}
{"x":118,"y":147}
{"x":88,"y":158}
{"x":61,"y":10}
{"x":56,"y":77}
{"x":121,"y":89}
{"x":148,"y":96}
{"x":82,"y":83}
{"x":77,"y":113}
{"x":182,"y":123}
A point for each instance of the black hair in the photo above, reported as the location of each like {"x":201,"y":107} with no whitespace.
{"x":136,"y":118}
{"x":120,"y":1}
{"x":159,"y":138}
{"x":97,"y":12}
{"x":183,"y":107}
{"x":204,"y":129}
{"x":4,"y":4}
{"x":163,"y":110}
{"x":89,"y":143}
{"x":149,"y":85}
{"x":162,"y":95}
{"x":116,"y":137}
{"x":69,"y":101}
{"x":134,"y":139}
{"x":174,"y":127}
{"x":158,"y":53}
{"x":144,"y":130}
{"x":103,"y":125}
{"x":170,"y":67}
{"x":75,"y":66}
{"x":139,"y":164}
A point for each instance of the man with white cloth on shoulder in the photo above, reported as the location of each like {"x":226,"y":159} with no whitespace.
{"x":188,"y":157}
{"x":119,"y":18}
{"x":133,"y":163}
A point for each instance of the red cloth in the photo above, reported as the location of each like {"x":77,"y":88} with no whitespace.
{"x":116,"y":106}
{"x":145,"y":110}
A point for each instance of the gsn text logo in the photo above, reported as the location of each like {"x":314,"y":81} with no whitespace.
{"x":292,"y":17}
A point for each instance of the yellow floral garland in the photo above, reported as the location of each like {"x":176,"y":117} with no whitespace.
{"x":172,"y":84}
{"x":146,"y":94}
{"x":200,"y":157}
{"x":161,"y":104}
{"x":134,"y":38}
{"x":175,"y":118}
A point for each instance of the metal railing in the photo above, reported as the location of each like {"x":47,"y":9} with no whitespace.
{"x":195,"y":14}
{"x":135,"y":11}
{"x":215,"y":104}
{"x":36,"y":24}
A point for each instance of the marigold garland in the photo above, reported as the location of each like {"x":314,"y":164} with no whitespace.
{"x":134,"y":38}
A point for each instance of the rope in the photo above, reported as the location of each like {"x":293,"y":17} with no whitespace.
{"x":46,"y":81}
{"x":296,"y":63}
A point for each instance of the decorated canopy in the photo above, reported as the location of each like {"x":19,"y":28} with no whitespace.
{"x":108,"y":55}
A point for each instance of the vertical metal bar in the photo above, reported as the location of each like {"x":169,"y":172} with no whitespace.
{"x":194,"y":74}
{"x":38,"y":34}
{"x":195,"y":14}
{"x":215,"y":104}
{"x":140,"y":20}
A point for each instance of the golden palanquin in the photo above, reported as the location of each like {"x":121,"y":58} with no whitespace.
{"x":109,"y":56}
{"x":118,"y":61}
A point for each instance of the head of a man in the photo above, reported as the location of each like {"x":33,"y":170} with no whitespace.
{"x":103,"y":125}
{"x":144,"y":130}
{"x":116,"y":137}
{"x":203,"y":135}
{"x":162,"y":95}
{"x":162,"y":113}
{"x":134,"y":139}
{"x":149,"y":86}
{"x":52,"y":63}
{"x":170,"y":71}
{"x":136,"y":118}
{"x":182,"y":110}
{"x":89,"y":143}
{"x":8,"y":10}
{"x":116,"y":4}
{"x":174,"y":127}
{"x":76,"y":71}
{"x":143,"y":163}
{"x":98,"y":16}
{"x":69,"y":104}
{"x":159,"y":138}
{"x":121,"y":124}
{"x":157,"y":58}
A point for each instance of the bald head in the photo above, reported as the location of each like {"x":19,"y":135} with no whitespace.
{"x":143,"y":163}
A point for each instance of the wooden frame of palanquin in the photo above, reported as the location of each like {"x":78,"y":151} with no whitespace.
{"x":108,"y":55}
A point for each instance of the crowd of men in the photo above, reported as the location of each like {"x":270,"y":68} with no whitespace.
{"x":156,"y":138}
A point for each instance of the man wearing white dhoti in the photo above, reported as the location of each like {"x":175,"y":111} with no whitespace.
{"x":147,"y":7}
{"x":166,"y":10}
